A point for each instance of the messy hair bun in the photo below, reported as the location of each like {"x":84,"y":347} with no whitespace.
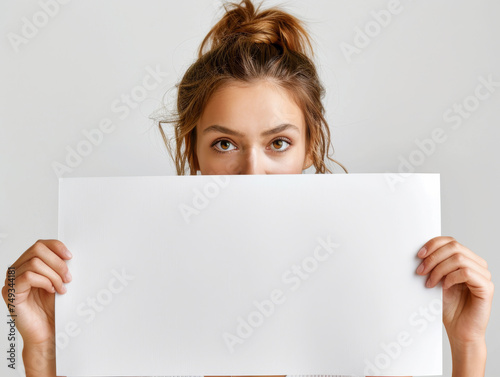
{"x":271,"y":26}
{"x":247,"y":45}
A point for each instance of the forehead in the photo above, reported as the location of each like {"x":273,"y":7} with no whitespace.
{"x":258,"y":105}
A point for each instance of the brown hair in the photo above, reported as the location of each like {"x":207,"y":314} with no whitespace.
{"x":245,"y":46}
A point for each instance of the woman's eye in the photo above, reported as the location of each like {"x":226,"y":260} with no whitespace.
{"x":224,"y":145}
{"x":278,"y":143}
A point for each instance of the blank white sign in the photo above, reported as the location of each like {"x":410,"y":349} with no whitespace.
{"x":249,"y":275}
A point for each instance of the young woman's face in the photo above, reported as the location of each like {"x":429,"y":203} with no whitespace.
{"x":251,"y":129}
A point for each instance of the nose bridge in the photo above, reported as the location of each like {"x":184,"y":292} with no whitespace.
{"x":252,"y":162}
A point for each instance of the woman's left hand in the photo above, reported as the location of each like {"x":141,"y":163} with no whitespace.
{"x":467,"y":288}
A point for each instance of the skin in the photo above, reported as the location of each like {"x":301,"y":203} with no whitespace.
{"x":251,"y":110}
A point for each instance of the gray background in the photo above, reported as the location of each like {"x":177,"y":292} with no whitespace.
{"x":394,"y":93}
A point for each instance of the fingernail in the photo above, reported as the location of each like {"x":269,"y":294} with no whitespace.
{"x":63,"y":289}
{"x":68,"y":254}
{"x":68,"y":276}
{"x":428,"y":283}
{"x":422,"y":252}
{"x":420,"y":268}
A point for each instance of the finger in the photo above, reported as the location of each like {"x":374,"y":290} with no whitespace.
{"x":29,"y":279}
{"x":477,"y":283}
{"x":432,"y":258}
{"x":35,"y":264}
{"x":432,"y":244}
{"x":455,"y":260}
{"x":55,"y":246}
{"x":437,"y":242}
{"x":50,"y":252}
{"x":451,"y":264}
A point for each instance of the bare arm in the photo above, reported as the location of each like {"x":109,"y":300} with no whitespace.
{"x":469,"y":360}
{"x":30,"y":287}
{"x":40,"y":360}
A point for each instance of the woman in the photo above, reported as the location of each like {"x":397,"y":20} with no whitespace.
{"x":251,"y":104}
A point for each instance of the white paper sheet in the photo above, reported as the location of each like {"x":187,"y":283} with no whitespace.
{"x":248,"y":275}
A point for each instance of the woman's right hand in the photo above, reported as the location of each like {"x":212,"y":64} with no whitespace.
{"x":37,"y":271}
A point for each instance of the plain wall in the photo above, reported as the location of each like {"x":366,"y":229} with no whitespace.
{"x":381,"y":103}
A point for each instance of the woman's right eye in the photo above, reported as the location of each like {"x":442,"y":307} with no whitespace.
{"x":224,"y":147}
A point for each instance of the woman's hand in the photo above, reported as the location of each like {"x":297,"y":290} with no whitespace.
{"x":467,"y":288}
{"x":37,"y":271}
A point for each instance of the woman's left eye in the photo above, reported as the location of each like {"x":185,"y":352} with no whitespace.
{"x":279,"y":143}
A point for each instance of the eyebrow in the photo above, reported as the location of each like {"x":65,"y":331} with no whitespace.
{"x":272,"y":131}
